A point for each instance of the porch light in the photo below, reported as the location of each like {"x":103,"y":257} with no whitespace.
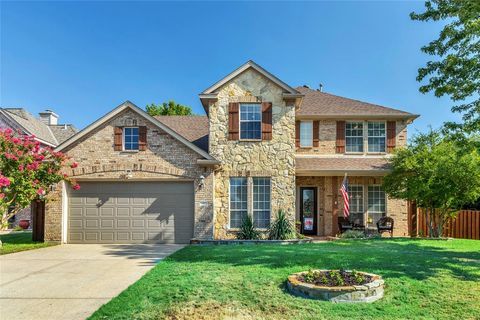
{"x":201,"y":182}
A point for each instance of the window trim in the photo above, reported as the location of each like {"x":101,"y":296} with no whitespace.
{"x":311,"y":141}
{"x":240,"y":121}
{"x":367,"y":211}
{"x":249,"y":200}
{"x":123,"y":139}
{"x":367,"y":136}
{"x":229,"y":226}
{"x":363,"y":137}
{"x":270,"y":203}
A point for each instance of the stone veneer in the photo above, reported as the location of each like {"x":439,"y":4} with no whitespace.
{"x":274,"y":158}
{"x":328,"y":192}
{"x":165,"y":158}
{"x":327,"y":138}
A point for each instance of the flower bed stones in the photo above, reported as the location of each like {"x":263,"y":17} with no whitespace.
{"x":336,"y":286}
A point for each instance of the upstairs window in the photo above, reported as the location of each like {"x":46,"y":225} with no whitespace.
{"x":250,"y":121}
{"x":306,"y":134}
{"x":130,"y":138}
{"x":376,"y":137}
{"x":354,"y":137}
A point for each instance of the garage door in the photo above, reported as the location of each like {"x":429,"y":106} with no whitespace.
{"x":131,"y":212}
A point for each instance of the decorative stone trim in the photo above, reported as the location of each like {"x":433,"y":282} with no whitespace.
{"x":249,"y":242}
{"x":80,"y":171}
{"x":368,"y":292}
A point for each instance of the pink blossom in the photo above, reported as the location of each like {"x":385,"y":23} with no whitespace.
{"x":21,"y":167}
{"x":16,"y":140}
{"x":4,"y":181}
{"x":11,"y":156}
{"x":74,"y":165}
{"x":2,"y":195}
{"x":76,"y":186}
{"x":41,"y":191}
{"x":33,"y":166}
{"x":8,"y":131}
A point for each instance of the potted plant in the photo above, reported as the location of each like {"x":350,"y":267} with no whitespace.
{"x":24,"y":224}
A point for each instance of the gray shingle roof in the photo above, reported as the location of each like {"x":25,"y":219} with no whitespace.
{"x":317,"y":103}
{"x":193,"y":128}
{"x":52,"y":135}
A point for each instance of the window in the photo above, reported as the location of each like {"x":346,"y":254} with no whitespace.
{"x":355,"y":193}
{"x":130,"y":138}
{"x":250,"y":121}
{"x":376,"y":137}
{"x":238,"y":201}
{"x":261,"y":202}
{"x":306,"y":134}
{"x":354,"y":137}
{"x":376,"y":204}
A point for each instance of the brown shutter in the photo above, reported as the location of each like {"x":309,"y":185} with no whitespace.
{"x":233,"y":121}
{"x":297,"y":134}
{"x":118,"y":137}
{"x":391,"y":135}
{"x":266,"y":121}
{"x":340,"y":137}
{"x":142,"y":138}
{"x":316,"y":132}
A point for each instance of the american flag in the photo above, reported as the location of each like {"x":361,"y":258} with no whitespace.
{"x":346,"y":199}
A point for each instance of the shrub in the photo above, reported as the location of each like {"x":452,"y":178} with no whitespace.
{"x":247,"y":230}
{"x":353,"y":234}
{"x":281,"y":228}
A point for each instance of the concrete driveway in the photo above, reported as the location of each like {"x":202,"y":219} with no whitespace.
{"x":71,"y":281}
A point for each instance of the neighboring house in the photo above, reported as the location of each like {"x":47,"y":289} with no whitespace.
{"x":46,"y":130}
{"x":264,"y":146}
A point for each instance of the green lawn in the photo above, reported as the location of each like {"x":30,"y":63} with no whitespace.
{"x":16,"y":242}
{"x":424,"y":280}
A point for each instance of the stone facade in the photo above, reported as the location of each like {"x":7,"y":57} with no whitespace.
{"x":272,"y":158}
{"x":327,"y":138}
{"x":330,"y":203}
{"x":166,"y":158}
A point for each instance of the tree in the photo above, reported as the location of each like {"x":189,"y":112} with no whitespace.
{"x":439,"y":174}
{"x":170,"y":108}
{"x":456,"y":72}
{"x":27,"y":172}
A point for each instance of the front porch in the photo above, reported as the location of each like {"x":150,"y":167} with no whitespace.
{"x":319,"y":204}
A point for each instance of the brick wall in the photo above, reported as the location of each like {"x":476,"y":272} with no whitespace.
{"x":165,"y":158}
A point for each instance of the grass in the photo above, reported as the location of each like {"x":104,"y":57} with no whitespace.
{"x":425,"y":279}
{"x":20,"y":241}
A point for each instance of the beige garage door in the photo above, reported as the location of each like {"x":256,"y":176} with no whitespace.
{"x":131,"y":212}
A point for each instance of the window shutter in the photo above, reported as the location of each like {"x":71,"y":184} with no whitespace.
{"x":316,"y":132}
{"x":266,"y":121}
{"x":142,"y":138}
{"x":297,"y":134}
{"x":118,"y":139}
{"x":233,"y":121}
{"x":340,"y":137}
{"x":391,"y":135}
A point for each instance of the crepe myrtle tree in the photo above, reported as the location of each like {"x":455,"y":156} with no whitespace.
{"x":440,"y":174}
{"x":27,"y":172}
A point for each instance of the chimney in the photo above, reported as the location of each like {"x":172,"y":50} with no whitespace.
{"x":49,"y":117}
{"x":320,"y":87}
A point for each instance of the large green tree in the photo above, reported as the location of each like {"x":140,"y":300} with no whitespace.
{"x":441,"y":175}
{"x":455,"y":71}
{"x":170,"y":108}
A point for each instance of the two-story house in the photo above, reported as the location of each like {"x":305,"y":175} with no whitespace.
{"x":263,"y":146}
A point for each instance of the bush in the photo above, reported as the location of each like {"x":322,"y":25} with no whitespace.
{"x":247,"y":230}
{"x":353,"y":234}
{"x":281,"y":228}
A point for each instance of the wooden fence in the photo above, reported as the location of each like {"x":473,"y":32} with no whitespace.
{"x":466,"y":225}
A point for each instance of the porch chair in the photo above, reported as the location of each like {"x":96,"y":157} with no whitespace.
{"x":344,"y":224}
{"x":385,"y":224}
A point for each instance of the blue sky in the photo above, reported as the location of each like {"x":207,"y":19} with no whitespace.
{"x":82,"y":59}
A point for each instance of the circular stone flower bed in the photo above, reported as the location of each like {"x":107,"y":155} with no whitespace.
{"x":336,"y":285}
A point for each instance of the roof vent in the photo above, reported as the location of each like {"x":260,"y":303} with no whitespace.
{"x":305,"y":86}
{"x":320,"y":87}
{"x":49,"y":117}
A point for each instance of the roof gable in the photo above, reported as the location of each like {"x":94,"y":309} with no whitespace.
{"x":129,"y":105}
{"x":249,"y":64}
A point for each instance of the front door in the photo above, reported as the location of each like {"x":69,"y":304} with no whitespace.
{"x":308,"y":209}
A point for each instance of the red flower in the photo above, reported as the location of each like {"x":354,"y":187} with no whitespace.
{"x":76,"y":186}
{"x":40,"y":192}
{"x":74,"y":165}
{"x":21,"y":167}
{"x":2,"y":195}
{"x":4,"y":181}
